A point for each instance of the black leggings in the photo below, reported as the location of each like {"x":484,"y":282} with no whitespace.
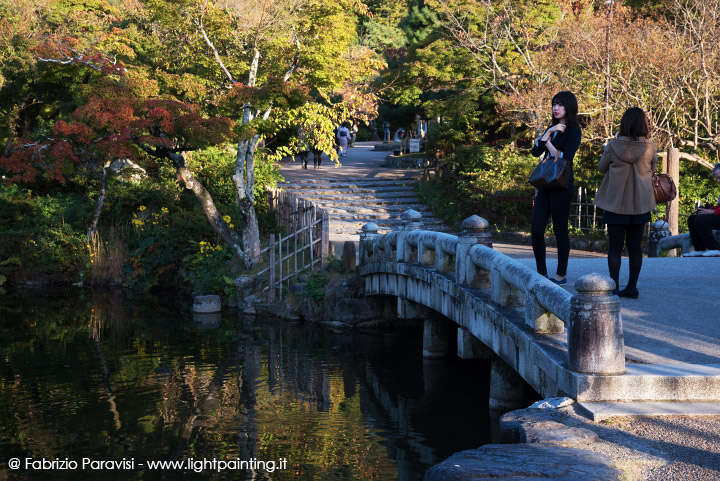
{"x":630,"y":235}
{"x":555,"y":204}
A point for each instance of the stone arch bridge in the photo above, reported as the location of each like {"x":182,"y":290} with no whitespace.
{"x":561,"y":344}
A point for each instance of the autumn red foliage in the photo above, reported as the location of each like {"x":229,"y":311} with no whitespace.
{"x":115,"y":124}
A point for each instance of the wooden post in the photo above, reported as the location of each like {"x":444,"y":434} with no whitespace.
{"x":325,"y":242}
{"x":311,"y":228}
{"x":594,"y":213}
{"x":296,"y":226}
{"x":673,"y":166}
{"x":579,"y":207}
{"x":271,"y":269}
{"x":304,"y":224}
{"x":280,"y":261}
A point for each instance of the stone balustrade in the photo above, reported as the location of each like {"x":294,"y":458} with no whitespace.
{"x":468,"y":261}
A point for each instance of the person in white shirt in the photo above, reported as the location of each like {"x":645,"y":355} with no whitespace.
{"x":343,"y":137}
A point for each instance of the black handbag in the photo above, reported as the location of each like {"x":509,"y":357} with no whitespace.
{"x":551,"y":173}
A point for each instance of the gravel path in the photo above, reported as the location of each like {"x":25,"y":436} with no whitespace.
{"x":660,"y":448}
{"x":689,"y":444}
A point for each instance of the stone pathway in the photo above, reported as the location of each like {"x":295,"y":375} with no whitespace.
{"x":353,"y":203}
{"x":359,"y":191}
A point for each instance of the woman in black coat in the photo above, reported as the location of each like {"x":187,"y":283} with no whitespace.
{"x":560,"y":139}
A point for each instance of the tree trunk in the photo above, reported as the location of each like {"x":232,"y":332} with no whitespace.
{"x":9,"y":145}
{"x":229,"y":236}
{"x":244,"y":180}
{"x":252,"y":76}
{"x":99,"y":204}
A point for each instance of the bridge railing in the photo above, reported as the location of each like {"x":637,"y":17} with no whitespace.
{"x":474,"y":265}
{"x":469,"y":260}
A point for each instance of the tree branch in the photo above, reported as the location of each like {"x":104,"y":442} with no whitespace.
{"x":199,"y":24}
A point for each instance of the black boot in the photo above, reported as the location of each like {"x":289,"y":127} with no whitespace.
{"x":632,"y":293}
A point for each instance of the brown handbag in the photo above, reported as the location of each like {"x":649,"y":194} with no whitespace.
{"x":663,"y":188}
{"x":551,"y":173}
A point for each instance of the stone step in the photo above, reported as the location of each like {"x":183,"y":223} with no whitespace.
{"x":402,"y":203}
{"x":351,"y":183}
{"x":384,"y":197}
{"x":353,"y":203}
{"x":359,"y":191}
{"x":374,"y":213}
{"x":338,"y":214}
{"x":384,"y":225}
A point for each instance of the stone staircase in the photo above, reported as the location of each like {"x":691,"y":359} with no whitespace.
{"x":353,"y":203}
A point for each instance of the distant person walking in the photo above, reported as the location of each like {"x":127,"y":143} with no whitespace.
{"x":343,"y":138}
{"x":304,"y":149}
{"x":702,"y":224}
{"x":560,"y":139}
{"x":317,"y":157}
{"x":353,"y":134}
{"x":626,"y":194}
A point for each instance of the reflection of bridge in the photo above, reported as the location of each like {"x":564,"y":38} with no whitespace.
{"x":561,"y":344}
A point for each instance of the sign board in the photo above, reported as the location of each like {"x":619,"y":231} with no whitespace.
{"x":414,"y":145}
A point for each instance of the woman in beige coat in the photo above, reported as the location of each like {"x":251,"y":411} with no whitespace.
{"x":626,"y":194}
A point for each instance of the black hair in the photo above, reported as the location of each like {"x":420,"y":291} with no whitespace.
{"x":568,"y":100}
{"x":634,"y":124}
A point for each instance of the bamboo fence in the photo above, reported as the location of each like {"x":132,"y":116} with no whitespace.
{"x":304,"y":247}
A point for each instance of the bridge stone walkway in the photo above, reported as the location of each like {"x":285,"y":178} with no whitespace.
{"x":674,"y":325}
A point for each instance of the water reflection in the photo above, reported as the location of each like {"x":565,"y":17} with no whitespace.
{"x":103,"y":377}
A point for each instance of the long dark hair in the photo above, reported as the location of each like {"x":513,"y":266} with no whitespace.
{"x":568,"y":100}
{"x":634,"y":124}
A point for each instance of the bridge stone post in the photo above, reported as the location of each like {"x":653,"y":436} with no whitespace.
{"x":596,"y":343}
{"x":426,"y":254}
{"x":470,"y":347}
{"x":436,"y":327}
{"x":412,"y":220}
{"x":466,"y":273}
{"x":436,"y":331}
{"x":658,"y":230}
{"x":367,"y":236}
{"x":508,"y":390}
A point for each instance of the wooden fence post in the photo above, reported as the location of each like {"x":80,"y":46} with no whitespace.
{"x":296,"y":226}
{"x":271,"y":269}
{"x":673,"y":207}
{"x":325,"y":239}
{"x":673,"y":166}
{"x":280,"y":262}
{"x":312,"y":215}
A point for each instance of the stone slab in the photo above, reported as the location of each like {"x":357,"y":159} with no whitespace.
{"x":537,"y":425}
{"x":505,"y":462}
{"x":598,"y":411}
{"x":207,"y":304}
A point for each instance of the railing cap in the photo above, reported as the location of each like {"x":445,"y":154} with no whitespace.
{"x":475,"y":223}
{"x":411,"y":214}
{"x":370,"y":228}
{"x":594,"y":284}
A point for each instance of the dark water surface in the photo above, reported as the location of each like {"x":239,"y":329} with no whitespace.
{"x":92,"y":377}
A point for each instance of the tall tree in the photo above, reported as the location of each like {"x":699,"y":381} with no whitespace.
{"x":308,"y":39}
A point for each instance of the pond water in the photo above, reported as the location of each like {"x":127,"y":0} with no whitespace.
{"x":94,"y":380}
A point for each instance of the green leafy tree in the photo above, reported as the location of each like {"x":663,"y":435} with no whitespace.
{"x":298,"y":42}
